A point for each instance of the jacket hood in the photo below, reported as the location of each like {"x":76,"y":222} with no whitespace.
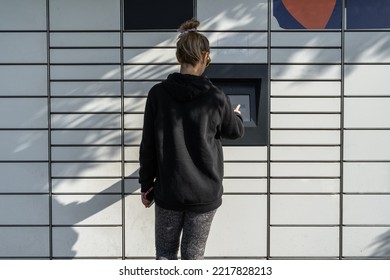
{"x":184,"y":87}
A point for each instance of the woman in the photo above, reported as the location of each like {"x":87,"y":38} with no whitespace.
{"x":181,"y":161}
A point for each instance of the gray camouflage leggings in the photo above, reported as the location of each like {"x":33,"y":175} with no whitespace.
{"x":195,"y":228}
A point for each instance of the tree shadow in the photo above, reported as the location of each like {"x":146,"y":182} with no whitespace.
{"x":381,"y":246}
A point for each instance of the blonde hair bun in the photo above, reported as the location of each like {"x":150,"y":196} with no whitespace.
{"x":191,"y":24}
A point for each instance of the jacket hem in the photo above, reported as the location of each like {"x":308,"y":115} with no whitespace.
{"x":199,"y":208}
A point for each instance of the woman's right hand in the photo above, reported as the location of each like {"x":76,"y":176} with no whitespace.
{"x":237,"y":109}
{"x":145,"y":201}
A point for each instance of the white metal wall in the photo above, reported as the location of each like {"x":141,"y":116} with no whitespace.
{"x":72,"y":93}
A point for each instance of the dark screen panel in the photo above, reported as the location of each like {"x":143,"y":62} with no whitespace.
{"x":363,"y":14}
{"x":156,"y":14}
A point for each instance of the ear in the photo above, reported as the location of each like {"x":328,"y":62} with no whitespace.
{"x":205,"y":57}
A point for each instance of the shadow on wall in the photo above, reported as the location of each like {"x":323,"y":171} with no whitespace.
{"x":381,"y":245}
{"x":89,"y":225}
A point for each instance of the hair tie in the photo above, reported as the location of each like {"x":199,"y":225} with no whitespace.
{"x":183,"y":32}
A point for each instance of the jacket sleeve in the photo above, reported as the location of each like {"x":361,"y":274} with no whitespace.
{"x":147,"y":154}
{"x":232,"y":126}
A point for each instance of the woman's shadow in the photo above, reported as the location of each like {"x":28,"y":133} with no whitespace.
{"x":91,"y":226}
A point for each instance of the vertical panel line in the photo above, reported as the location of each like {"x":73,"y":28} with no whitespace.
{"x":123,"y":196}
{"x":268,"y":132}
{"x":50,"y":185}
{"x":343,"y":26}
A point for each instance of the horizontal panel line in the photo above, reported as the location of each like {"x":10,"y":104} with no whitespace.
{"x":306,"y":225}
{"x":364,"y":225}
{"x":86,"y":225}
{"x":366,"y":161}
{"x":143,"y":80}
{"x":265,"y":31}
{"x":88,"y":177}
{"x":85,"y":129}
{"x":307,"y":129}
{"x":102,"y":193}
{"x":246,"y":161}
{"x":245,"y":177}
{"x":51,"y":31}
{"x":85,"y":47}
{"x":298,"y":128}
{"x":304,"y":145}
{"x":110,"y":64}
{"x":306,"y":63}
{"x":283,"y":47}
{"x":24,"y":161}
{"x":304,"y":193}
{"x":303,"y":258}
{"x":125,"y":194}
{"x":75,"y":96}
{"x":366,"y":193}
{"x":23,"y":31}
{"x":367,"y":129}
{"x":24,"y":64}
{"x":358,"y":30}
{"x":346,"y":97}
{"x":85,"y":145}
{"x":304,"y":177}
{"x":367,"y":63}
{"x":306,"y":112}
{"x":305,"y":80}
{"x":59,"y":257}
{"x":85,"y":80}
{"x":24,"y":96}
{"x":24,"y":193}
{"x":46,"y":257}
{"x":212,"y":47}
{"x":305,"y":161}
{"x":86,"y":161}
{"x":245,"y":193}
{"x":306,"y":96}
{"x":305,"y":31}
{"x":91,"y":96}
{"x":24,"y":129}
{"x":23,"y":225}
{"x":95,"y":113}
{"x":87,"y":64}
{"x":87,"y":113}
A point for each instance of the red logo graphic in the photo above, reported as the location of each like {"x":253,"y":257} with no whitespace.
{"x":312,"y":14}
